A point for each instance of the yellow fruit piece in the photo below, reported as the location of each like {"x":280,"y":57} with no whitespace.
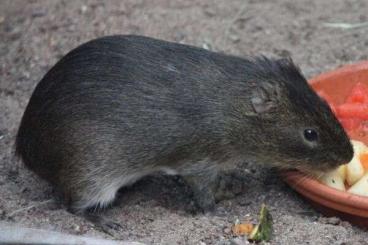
{"x":359,"y":147}
{"x":354,"y":169}
{"x":342,"y":171}
{"x":334,"y":179}
{"x":360,"y":187}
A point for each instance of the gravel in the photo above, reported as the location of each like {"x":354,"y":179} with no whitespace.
{"x":35,"y":34}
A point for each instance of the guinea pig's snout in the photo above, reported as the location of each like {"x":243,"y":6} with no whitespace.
{"x":347,"y":153}
{"x":343,"y":157}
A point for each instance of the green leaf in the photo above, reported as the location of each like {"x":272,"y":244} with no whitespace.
{"x":262,"y":231}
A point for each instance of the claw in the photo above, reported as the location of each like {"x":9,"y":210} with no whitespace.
{"x":113,"y":225}
{"x":105,"y":225}
{"x":109,"y":227}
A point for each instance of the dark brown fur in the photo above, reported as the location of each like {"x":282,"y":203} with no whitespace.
{"x":121,"y":107}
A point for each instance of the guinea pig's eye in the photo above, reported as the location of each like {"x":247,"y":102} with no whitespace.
{"x":310,"y":135}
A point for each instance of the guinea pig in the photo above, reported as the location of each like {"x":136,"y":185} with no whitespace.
{"x":118,"y":108}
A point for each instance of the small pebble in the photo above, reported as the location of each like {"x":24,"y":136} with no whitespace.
{"x":76,"y":228}
{"x":239,"y":241}
{"x":244,"y":202}
{"x":234,"y":38}
{"x":209,"y":12}
{"x":227,"y":230}
{"x":2,"y":213}
{"x":329,"y":220}
{"x":37,"y":14}
{"x":345,"y":224}
{"x":83,"y":9}
{"x":221,"y":212}
{"x":207,"y":46}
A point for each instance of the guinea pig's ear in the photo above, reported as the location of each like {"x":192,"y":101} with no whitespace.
{"x":265,"y":97}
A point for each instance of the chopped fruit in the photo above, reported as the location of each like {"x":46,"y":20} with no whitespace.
{"x":360,"y":187}
{"x":328,"y":99}
{"x":242,"y":229}
{"x":359,"y":147}
{"x":333,"y":179}
{"x":342,"y":171}
{"x":353,"y":116}
{"x":364,"y":160}
{"x":325,"y":96}
{"x":350,"y":123}
{"x":359,"y":94}
{"x":354,"y":171}
{"x":352,"y":110}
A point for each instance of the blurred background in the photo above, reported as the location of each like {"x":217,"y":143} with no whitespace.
{"x":318,"y":35}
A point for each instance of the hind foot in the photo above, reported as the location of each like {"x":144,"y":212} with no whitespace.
{"x":101,"y":223}
{"x":105,"y":225}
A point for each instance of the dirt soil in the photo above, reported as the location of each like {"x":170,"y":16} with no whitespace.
{"x":35,"y":34}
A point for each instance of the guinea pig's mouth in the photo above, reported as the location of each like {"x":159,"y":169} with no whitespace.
{"x":315,"y":172}
{"x":308,"y":169}
{"x":310,"y":172}
{"x":319,"y":171}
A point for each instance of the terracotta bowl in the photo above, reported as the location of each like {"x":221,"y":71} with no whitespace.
{"x":331,"y":202}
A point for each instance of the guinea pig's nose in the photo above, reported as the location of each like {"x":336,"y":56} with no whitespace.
{"x":342,"y":157}
{"x":338,"y":159}
{"x":347,"y":155}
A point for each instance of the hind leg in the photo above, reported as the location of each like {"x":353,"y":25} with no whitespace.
{"x":89,"y":201}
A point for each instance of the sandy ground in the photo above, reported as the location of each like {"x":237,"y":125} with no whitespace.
{"x":35,"y":34}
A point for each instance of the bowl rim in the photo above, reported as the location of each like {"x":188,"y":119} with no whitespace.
{"x":296,"y":179}
{"x":339,"y":71}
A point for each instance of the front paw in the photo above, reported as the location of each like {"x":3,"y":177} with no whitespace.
{"x":228,"y":186}
{"x":201,"y":206}
{"x":205,"y":203}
